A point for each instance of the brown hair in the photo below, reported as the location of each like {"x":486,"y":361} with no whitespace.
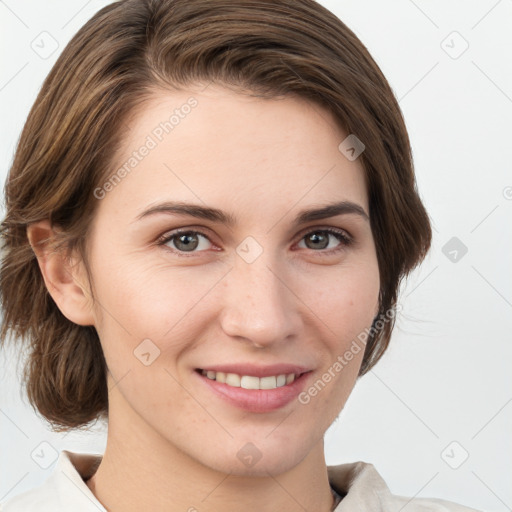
{"x":110,"y":67}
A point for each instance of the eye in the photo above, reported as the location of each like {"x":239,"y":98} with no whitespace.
{"x":319,"y":240}
{"x":187,"y":241}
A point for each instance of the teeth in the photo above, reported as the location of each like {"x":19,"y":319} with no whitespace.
{"x":249,"y":381}
{"x":268,"y":383}
{"x":232,"y":379}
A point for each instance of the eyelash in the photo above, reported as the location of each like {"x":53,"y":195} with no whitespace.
{"x":345,"y":239}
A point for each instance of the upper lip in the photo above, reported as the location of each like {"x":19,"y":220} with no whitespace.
{"x":257,"y":371}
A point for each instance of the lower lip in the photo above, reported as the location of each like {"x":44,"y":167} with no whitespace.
{"x":257,"y":400}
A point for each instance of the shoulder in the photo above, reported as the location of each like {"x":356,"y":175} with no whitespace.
{"x":63,"y":490}
{"x":363,"y":488}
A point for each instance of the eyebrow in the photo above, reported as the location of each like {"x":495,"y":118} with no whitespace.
{"x":217,"y":215}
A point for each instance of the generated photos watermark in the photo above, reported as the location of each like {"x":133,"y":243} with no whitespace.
{"x":152,"y":140}
{"x":358,"y":344}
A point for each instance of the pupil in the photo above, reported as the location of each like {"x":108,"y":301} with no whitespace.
{"x":187,"y":241}
{"x":315,"y":237}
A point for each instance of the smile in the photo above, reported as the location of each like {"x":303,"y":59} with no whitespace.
{"x":255,"y":388}
{"x":250,"y":381}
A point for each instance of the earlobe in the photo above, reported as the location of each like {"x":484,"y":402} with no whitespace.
{"x":64,"y":280}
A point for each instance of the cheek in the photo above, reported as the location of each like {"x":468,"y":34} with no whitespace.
{"x":345,"y":301}
{"x":140,"y":298}
{"x":138,"y":301}
{"x":343,"y":310}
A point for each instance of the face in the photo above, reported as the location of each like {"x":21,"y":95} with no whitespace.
{"x":195,"y":308}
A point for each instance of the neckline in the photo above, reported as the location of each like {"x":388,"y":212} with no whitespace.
{"x":337,"y":498}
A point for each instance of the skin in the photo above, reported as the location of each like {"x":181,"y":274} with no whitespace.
{"x":172,"y":444}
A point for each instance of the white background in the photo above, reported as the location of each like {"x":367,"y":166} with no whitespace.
{"x":446,"y":376}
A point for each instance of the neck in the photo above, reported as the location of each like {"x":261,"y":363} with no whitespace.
{"x":141,"y":470}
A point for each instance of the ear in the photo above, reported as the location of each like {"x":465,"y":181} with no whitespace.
{"x":65,"y":279}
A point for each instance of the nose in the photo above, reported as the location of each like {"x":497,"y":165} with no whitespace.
{"x":259,"y":305}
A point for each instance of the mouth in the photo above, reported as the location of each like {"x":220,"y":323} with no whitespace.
{"x":254,"y":389}
{"x":236,"y":380}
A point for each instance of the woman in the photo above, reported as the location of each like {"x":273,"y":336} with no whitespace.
{"x":210,"y":210}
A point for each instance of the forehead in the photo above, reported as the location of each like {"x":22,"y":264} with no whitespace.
{"x":216,"y":146}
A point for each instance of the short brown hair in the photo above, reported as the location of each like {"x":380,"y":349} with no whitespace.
{"x":111,"y":66}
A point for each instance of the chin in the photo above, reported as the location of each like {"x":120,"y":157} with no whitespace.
{"x":261,"y":458}
{"x":276,"y":465}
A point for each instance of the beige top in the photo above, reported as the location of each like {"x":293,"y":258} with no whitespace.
{"x":358,"y":483}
